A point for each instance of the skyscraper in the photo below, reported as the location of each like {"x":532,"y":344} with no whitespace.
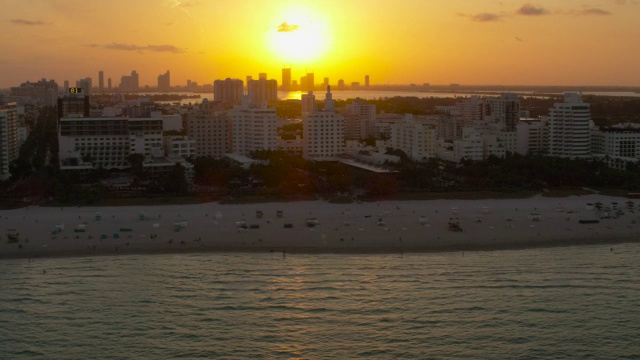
{"x":286,"y":79}
{"x":262,"y":90}
{"x":101,"y":80}
{"x":311,"y":83}
{"x":130,"y":83}
{"x":228,"y":91}
{"x":109,"y":83}
{"x":366,"y":81}
{"x":164,"y":81}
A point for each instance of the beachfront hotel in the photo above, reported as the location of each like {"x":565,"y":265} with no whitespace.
{"x":253,"y":127}
{"x":323,"y":132}
{"x":569,"y":127}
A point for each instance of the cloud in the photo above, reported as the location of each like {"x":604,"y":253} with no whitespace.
{"x":594,"y":11}
{"x":530,"y":10}
{"x":26,"y":22}
{"x":485,"y":17}
{"x":519,"y":39}
{"x":625,"y":2}
{"x":133,"y":47}
{"x":286,"y":27}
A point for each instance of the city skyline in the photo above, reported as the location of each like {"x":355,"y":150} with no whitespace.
{"x":467,"y":42}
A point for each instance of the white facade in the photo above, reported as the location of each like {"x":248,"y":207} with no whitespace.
{"x":210,"y":131}
{"x":616,"y":145}
{"x":9,"y":143}
{"x":180,"y":146}
{"x":470,"y":147}
{"x":569,"y":127}
{"x":532,"y":136}
{"x":417,"y":139}
{"x":323,"y":135}
{"x":253,"y":127}
{"x":107,"y":142}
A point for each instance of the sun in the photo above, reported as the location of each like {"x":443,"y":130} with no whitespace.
{"x":298,"y":40}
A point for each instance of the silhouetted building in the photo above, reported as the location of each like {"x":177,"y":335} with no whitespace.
{"x":341,"y":84}
{"x":286,"y":79}
{"x":228,"y":91}
{"x":262,"y":90}
{"x":366,"y":81}
{"x":85,"y":84}
{"x":109,"y":83}
{"x":130,"y":83}
{"x":43,"y":92}
{"x":101,"y":80}
{"x":164,"y":81}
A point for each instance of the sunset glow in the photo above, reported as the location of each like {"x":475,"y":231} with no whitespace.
{"x":440,"y":42}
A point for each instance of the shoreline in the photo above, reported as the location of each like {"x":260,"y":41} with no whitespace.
{"x":388,"y":227}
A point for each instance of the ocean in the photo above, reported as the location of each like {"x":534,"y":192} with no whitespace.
{"x":557,"y":303}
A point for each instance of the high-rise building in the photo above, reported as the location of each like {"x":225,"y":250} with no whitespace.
{"x":228,"y":91}
{"x":569,"y":127}
{"x":326,"y":82}
{"x":249,"y":78}
{"x":9,"y":144}
{"x":366,"y":81}
{"x":253,"y":127}
{"x":263,"y":90}
{"x":109,"y":83}
{"x":101,"y":80}
{"x":131,"y":82}
{"x":85,"y":84}
{"x":308,"y":102}
{"x":341,"y":84}
{"x":310,"y":82}
{"x":323,"y":133}
{"x":286,"y":79}
{"x":164,"y":81}
{"x":359,"y":119}
{"x":210,"y":131}
{"x":506,"y":110}
{"x":66,"y":86}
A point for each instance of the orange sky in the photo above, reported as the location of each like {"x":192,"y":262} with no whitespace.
{"x":573,"y":42}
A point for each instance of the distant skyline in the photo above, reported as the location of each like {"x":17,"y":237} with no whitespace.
{"x":471,"y":42}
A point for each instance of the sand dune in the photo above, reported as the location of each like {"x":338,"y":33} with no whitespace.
{"x":390,"y":226}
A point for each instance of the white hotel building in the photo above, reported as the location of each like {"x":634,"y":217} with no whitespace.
{"x":569,"y":127}
{"x":253,"y":127}
{"x":106,"y":141}
{"x":415,"y":138}
{"x":323,"y":132}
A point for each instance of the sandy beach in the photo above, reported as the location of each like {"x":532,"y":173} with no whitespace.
{"x":390,"y":226}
